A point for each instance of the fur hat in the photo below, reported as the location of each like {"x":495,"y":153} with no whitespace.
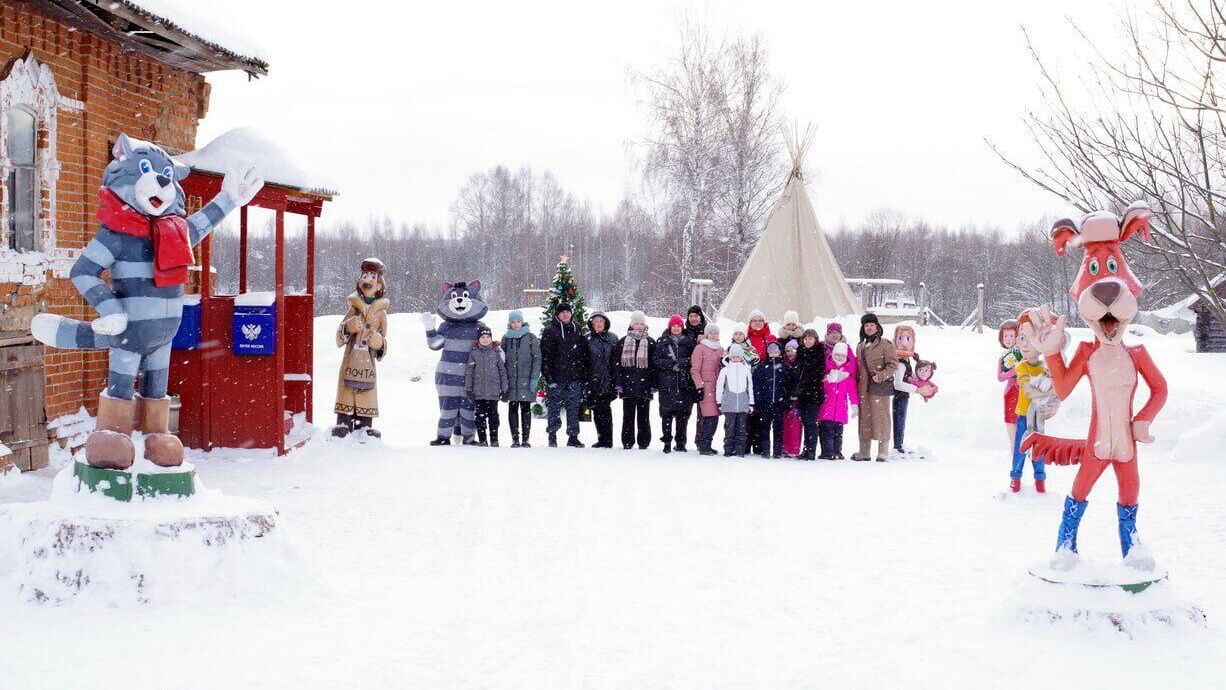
{"x":564,"y":306}
{"x":696,"y":310}
{"x":840,"y":348}
{"x":864,"y":321}
{"x":638,"y":317}
{"x":792,"y":345}
{"x":515,"y":315}
{"x":757,"y":314}
{"x":675,"y":320}
{"x":791,"y":317}
{"x":735,"y":350}
{"x":711,"y":328}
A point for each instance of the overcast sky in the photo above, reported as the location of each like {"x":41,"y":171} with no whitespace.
{"x":399,"y":103}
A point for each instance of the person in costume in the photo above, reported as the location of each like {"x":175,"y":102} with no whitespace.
{"x":363,"y":334}
{"x":904,"y":375}
{"x":461,"y":307}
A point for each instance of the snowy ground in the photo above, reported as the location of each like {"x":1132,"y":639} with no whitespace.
{"x":416,"y":567}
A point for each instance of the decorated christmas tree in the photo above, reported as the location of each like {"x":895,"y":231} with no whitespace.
{"x":565,"y":290}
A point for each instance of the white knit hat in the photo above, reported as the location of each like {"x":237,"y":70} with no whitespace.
{"x":740,"y":328}
{"x":735,"y":350}
{"x":840,"y":348}
{"x":791,"y":317}
{"x":757,"y":314}
{"x":638,"y":317}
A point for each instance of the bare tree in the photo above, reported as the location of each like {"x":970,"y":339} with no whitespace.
{"x":1150,"y":127}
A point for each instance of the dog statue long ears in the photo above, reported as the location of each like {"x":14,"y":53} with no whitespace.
{"x":1106,"y":291}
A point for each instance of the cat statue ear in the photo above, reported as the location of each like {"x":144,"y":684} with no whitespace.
{"x":122,"y":148}
{"x":476,"y":285}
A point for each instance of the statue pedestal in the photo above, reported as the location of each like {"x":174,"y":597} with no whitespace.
{"x":122,"y":484}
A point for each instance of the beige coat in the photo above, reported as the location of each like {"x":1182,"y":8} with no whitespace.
{"x":363,"y":334}
{"x":876,"y":416}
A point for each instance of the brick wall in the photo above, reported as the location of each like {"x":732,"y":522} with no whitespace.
{"x":123,"y":92}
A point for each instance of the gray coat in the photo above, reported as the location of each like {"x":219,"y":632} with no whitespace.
{"x":523,"y":358}
{"x":485,"y":378}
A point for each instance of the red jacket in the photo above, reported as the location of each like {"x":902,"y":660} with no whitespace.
{"x":759,"y":340}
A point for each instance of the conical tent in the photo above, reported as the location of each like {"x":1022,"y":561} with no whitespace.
{"x":792,"y":267}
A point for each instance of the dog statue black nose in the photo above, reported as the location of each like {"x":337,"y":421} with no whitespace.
{"x":163,"y":180}
{"x":1106,"y":292}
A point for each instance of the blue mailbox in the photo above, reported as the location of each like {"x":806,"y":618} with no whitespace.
{"x":255,"y":324}
{"x":188,"y":335}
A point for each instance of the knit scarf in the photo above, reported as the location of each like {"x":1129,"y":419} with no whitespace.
{"x":172,"y":250}
{"x":513,"y":334}
{"x":634,"y":351}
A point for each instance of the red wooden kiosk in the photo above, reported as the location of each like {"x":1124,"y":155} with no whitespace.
{"x":242,"y":401}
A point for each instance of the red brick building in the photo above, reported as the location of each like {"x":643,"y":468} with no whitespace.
{"x":74,"y":74}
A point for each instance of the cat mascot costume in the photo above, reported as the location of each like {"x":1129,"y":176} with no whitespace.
{"x":461,"y":309}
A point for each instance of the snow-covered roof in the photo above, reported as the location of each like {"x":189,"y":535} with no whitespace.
{"x":185,"y":33}
{"x":248,"y":145}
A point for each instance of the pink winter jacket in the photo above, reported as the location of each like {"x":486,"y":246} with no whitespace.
{"x":704,"y":369}
{"x":839,"y":395}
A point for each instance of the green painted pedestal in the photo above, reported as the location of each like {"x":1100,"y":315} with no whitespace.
{"x":118,"y":484}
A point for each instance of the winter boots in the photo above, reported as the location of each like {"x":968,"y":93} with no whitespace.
{"x":574,"y":442}
{"x":347,"y":424}
{"x":110,"y":444}
{"x":162,"y":448}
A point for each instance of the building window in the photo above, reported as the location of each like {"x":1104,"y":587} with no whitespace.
{"x":22,"y":150}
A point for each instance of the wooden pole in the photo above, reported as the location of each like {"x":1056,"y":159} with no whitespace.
{"x":923,"y":304}
{"x":310,"y":252}
{"x":242,"y":250}
{"x":979,"y":310}
{"x":279,"y":385}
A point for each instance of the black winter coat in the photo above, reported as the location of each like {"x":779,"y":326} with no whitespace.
{"x":602,"y":359}
{"x":772,"y":384}
{"x":634,"y":382}
{"x":673,"y":379}
{"x":808,"y":372}
{"x":564,"y":353}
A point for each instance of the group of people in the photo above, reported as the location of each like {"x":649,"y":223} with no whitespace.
{"x":780,"y":394}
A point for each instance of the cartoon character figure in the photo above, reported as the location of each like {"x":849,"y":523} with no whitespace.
{"x":924,"y":369}
{"x":1106,"y":292}
{"x":363,"y":334}
{"x":1006,"y":335}
{"x":146,"y":243}
{"x":461,"y":309}
{"x":1034,"y":400}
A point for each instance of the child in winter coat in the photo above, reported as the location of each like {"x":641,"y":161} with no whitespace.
{"x":705,"y":364}
{"x":522,"y":354}
{"x":772,"y":389}
{"x":789,"y":352}
{"x":485,"y":381}
{"x":842,"y":400}
{"x":740,"y":337}
{"x":734,"y":395}
{"x":601,"y":370}
{"x":807,"y":390}
{"x":673,"y":351}
{"x":636,"y":382}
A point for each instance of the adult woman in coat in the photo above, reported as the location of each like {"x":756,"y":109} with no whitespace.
{"x":676,"y":388}
{"x":522,"y":351}
{"x":601,"y":382}
{"x":705,"y":363}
